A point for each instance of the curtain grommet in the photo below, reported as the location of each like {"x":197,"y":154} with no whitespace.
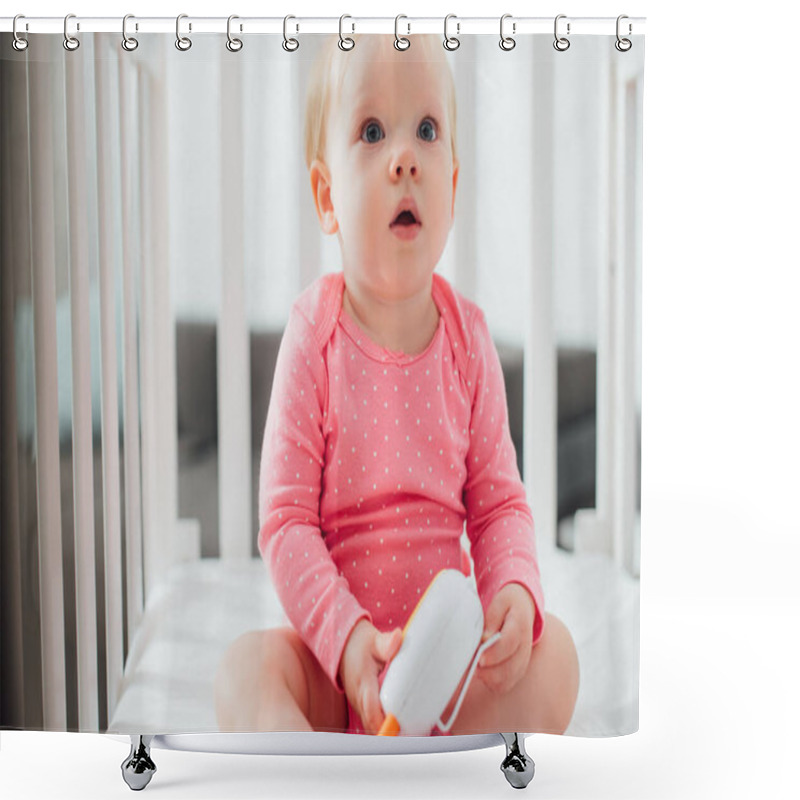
{"x":233,"y":44}
{"x":71,"y":43}
{"x":18,"y":43}
{"x":289,"y":44}
{"x":561,"y":43}
{"x":451,"y":43}
{"x":183,"y":43}
{"x":507,"y":42}
{"x":623,"y":45}
{"x":128,"y":42}
{"x":345,"y":42}
{"x":401,"y":42}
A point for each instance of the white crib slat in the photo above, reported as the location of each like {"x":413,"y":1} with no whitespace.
{"x":51,"y":581}
{"x":83,"y":468}
{"x":152,"y":556}
{"x":130,"y":250}
{"x":159,"y":420}
{"x":540,"y":379}
{"x":593,"y":527}
{"x":607,"y":335}
{"x":14,"y":205}
{"x":466,"y":225}
{"x":625,"y":302}
{"x":613,"y":529}
{"x":601,"y":535}
{"x":633,"y":550}
{"x":233,"y":346}
{"x":618,"y":325}
{"x":106,"y":155}
{"x":299,"y":201}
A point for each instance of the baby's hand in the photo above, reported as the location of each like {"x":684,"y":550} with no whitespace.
{"x":511,"y":612}
{"x":365,"y":654}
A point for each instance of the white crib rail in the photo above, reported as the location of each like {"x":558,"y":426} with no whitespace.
{"x":107,"y":134}
{"x":51,"y":581}
{"x":131,"y":235}
{"x":14,"y":207}
{"x":233,"y":343}
{"x":612,"y":527}
{"x":540,"y":378}
{"x":83,"y":468}
{"x":159,"y":420}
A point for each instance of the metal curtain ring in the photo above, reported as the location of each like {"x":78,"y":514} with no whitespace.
{"x":233,"y":44}
{"x":18,"y":43}
{"x":289,"y":45}
{"x":623,"y":45}
{"x":507,"y":42}
{"x":70,"y":42}
{"x":451,"y":42}
{"x":346,"y":43}
{"x":561,"y":43}
{"x":400,"y":42}
{"x":128,"y":42}
{"x":183,"y":43}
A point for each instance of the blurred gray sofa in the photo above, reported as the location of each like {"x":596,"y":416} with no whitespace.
{"x":196,"y":348}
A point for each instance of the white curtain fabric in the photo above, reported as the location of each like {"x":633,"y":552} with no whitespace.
{"x":147,"y":191}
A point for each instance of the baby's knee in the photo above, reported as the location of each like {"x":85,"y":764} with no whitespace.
{"x":271,"y":654}
{"x":253,"y":661}
{"x":561,"y":641}
{"x":564,"y":671}
{"x":237,"y":660}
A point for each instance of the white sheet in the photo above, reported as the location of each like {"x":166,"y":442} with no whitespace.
{"x":204,"y":605}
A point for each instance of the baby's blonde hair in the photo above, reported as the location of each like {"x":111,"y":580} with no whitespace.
{"x":325,"y":83}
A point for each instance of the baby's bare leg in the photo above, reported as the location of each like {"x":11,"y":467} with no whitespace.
{"x":542,"y":701}
{"x":270,"y":681}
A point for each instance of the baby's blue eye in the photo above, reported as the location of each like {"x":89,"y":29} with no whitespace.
{"x":427,"y":130}
{"x":372,"y":133}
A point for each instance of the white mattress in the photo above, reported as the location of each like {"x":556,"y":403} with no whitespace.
{"x":204,"y":605}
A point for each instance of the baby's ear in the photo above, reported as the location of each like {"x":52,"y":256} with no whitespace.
{"x":321,"y":188}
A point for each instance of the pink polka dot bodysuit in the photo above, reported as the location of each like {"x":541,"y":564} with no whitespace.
{"x":373,"y":461}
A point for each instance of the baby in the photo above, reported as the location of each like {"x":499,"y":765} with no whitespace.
{"x":387,"y":431}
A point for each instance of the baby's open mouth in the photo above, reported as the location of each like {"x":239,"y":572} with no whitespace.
{"x":405,"y":218}
{"x":406,"y":224}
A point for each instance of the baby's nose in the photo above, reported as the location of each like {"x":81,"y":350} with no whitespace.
{"x":405,"y":164}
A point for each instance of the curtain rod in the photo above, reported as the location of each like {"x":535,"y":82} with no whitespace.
{"x":299,"y":25}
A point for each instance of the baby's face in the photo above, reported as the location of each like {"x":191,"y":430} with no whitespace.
{"x":391,"y":169}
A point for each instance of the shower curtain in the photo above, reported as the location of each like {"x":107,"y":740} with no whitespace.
{"x":292,"y":322}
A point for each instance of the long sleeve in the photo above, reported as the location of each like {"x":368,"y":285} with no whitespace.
{"x":315,"y":597}
{"x":499,"y":521}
